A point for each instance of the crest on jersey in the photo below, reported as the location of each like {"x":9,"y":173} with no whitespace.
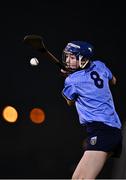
{"x":93,"y":140}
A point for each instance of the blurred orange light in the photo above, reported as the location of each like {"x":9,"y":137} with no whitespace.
{"x":10,"y":114}
{"x":37,"y":115}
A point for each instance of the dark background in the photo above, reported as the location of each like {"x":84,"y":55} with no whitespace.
{"x":52,"y":149}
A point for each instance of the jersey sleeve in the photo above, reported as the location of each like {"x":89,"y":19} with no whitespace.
{"x":69,"y":91}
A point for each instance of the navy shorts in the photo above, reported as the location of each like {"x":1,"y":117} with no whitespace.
{"x":101,"y":137}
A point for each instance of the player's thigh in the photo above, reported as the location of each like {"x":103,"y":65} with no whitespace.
{"x":90,"y":164}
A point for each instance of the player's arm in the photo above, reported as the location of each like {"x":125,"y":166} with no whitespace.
{"x":113,"y":80}
{"x":69,"y":102}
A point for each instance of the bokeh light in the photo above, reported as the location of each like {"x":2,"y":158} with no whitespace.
{"x":37,"y":115}
{"x":10,"y":114}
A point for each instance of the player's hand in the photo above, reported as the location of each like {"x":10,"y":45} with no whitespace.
{"x":64,"y":73}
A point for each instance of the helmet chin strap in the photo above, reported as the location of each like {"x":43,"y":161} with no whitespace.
{"x":82,"y":64}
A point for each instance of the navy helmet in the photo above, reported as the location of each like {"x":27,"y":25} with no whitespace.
{"x":80,"y":49}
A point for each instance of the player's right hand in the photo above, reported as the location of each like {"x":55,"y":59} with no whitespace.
{"x":64,"y":73}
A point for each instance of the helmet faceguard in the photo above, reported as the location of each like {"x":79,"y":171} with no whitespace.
{"x":82,"y":50}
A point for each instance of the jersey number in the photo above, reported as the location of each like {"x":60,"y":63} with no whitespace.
{"x":97,"y":80}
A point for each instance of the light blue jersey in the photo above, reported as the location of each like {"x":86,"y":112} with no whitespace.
{"x":93,"y":99}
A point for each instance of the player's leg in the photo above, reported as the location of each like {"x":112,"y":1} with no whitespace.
{"x":90,"y":165}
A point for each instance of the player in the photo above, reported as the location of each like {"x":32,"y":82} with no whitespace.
{"x":87,"y":86}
